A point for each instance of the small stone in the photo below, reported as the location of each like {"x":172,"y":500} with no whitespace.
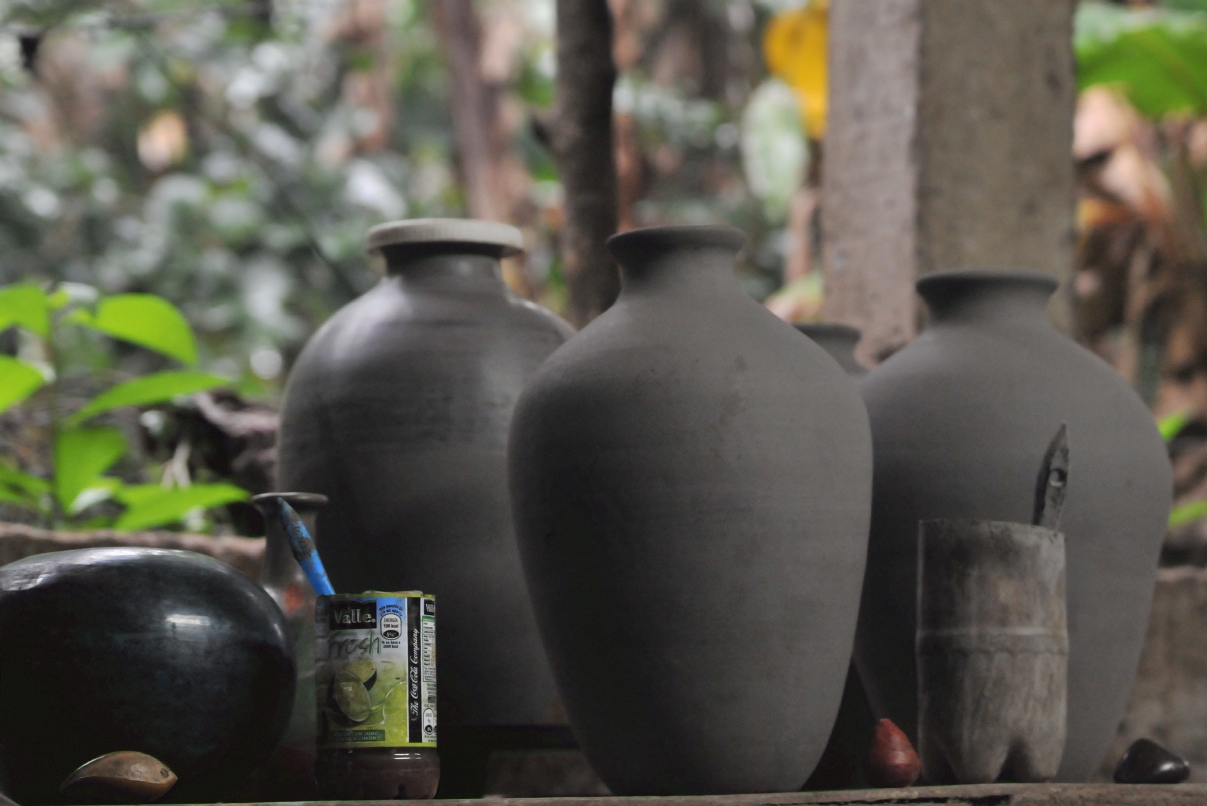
{"x":1147,"y":762}
{"x":892,"y":760}
{"x":121,"y":777}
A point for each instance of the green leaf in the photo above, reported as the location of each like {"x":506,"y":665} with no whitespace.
{"x":169,"y":506}
{"x":158,"y":388}
{"x":22,"y":481}
{"x":1158,"y":57}
{"x":81,"y":455}
{"x":1172,"y":424}
{"x":146,"y":320}
{"x":72,"y":294}
{"x":102,"y":489}
{"x":25,"y":306}
{"x":18,"y":380}
{"x":1187,"y":513}
{"x":22,"y":489}
{"x":134,"y":494}
{"x":7,"y":496}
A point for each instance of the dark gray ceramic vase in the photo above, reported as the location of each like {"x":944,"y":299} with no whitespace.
{"x":691,"y":482}
{"x":842,"y":764}
{"x":958,"y":418}
{"x":397,"y":410}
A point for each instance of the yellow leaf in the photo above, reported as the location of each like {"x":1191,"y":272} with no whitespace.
{"x":794,"y":46}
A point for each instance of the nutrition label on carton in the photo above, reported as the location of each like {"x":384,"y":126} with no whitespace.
{"x":375,"y":669}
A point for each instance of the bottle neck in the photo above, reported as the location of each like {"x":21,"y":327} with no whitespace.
{"x":687,"y":260}
{"x":956,"y":297}
{"x":464,"y":269}
{"x":687,"y":271}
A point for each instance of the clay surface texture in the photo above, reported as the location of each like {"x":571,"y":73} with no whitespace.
{"x":959,"y":417}
{"x":691,"y":481}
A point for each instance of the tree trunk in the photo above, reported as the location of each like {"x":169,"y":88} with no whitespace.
{"x":477,"y":122}
{"x":582,"y":145}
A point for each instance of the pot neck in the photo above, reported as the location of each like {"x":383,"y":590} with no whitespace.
{"x":456,"y":266}
{"x":975,"y":296}
{"x":838,"y":340}
{"x":687,"y":260}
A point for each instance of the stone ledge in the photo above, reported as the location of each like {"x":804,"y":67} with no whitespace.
{"x":1168,"y":702}
{"x":18,"y":541}
{"x":981,"y":795}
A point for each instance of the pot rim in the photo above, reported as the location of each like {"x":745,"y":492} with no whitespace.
{"x":630,"y":244}
{"x":1018,"y":278}
{"x":303,"y":502}
{"x":829,"y":329}
{"x":508,"y":240}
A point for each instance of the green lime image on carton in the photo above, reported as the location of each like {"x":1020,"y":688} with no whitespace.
{"x":375,"y":669}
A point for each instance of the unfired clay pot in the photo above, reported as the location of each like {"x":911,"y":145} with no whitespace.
{"x":691,"y":482}
{"x":842,"y":764}
{"x":958,"y":418}
{"x":837,"y":340}
{"x":397,"y":410}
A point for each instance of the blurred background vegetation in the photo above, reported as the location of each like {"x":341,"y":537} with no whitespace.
{"x":229,"y":155}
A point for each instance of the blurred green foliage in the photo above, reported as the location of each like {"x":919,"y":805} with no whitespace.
{"x":82,"y":455}
{"x":193,"y":180}
{"x":206,"y":152}
{"x":229,"y":156}
{"x":1156,"y":56}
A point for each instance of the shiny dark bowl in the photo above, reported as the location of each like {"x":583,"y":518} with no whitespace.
{"x":165,"y":652}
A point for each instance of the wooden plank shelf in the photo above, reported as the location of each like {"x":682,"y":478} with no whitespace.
{"x":980,"y":795}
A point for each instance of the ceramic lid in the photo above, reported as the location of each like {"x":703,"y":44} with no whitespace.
{"x":507,"y":238}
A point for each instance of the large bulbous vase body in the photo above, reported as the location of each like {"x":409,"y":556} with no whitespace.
{"x":397,"y":410}
{"x":691,"y":481}
{"x":961,"y":418}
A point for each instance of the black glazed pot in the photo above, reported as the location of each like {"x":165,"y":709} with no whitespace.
{"x":168,"y":653}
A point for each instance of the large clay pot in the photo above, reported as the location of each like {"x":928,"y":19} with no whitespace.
{"x":842,"y":764}
{"x":961,"y":418}
{"x":691,"y":482}
{"x":163,"y":652}
{"x":397,"y":410}
{"x":837,"y":340}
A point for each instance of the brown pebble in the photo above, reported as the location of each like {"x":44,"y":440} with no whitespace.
{"x":121,"y":777}
{"x":892,"y":761}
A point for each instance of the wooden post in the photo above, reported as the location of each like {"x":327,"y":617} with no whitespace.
{"x":477,"y":121}
{"x":948,"y":147}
